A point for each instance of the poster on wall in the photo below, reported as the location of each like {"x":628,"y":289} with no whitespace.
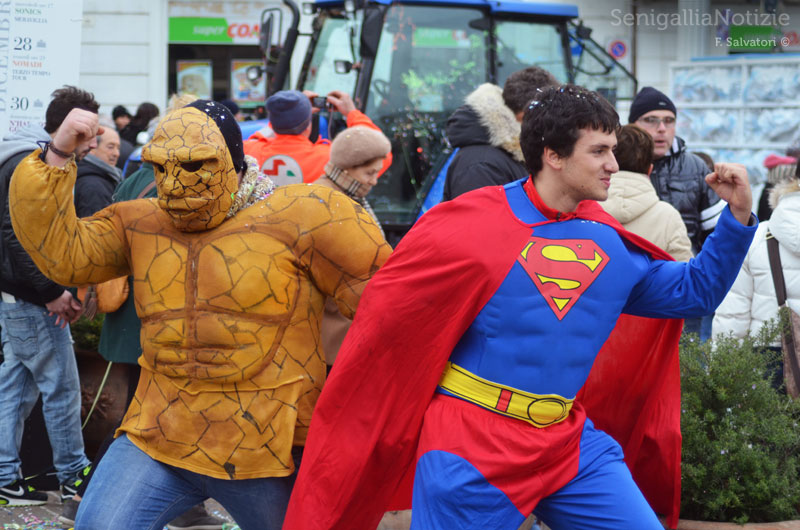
{"x":243,"y":91}
{"x":194,"y":77}
{"x":39,"y":53}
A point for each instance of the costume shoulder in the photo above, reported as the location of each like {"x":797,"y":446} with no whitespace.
{"x":593,"y":211}
{"x":335,"y":238}
{"x":135,"y":212}
{"x":425,"y":296}
{"x":297,"y":209}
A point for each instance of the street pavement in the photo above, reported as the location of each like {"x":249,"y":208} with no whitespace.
{"x":45,"y":517}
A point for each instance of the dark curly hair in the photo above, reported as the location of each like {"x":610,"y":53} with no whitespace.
{"x":555,"y":118}
{"x":64,"y":100}
{"x":520,"y":87}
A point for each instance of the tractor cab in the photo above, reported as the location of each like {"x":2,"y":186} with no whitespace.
{"x":409,"y":64}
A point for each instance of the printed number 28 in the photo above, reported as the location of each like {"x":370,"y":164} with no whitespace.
{"x":22,"y":43}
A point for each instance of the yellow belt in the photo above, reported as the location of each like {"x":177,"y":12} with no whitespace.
{"x":538,"y":410}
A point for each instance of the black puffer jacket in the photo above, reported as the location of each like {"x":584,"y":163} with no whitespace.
{"x":94,"y":185}
{"x":679,"y":179}
{"x":487,"y":135}
{"x":18,"y":274}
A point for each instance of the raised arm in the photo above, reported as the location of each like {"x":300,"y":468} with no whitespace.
{"x":677,"y":290}
{"x":67,"y":250}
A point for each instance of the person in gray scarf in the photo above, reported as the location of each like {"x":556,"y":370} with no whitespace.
{"x":356,"y":162}
{"x":357,"y":155}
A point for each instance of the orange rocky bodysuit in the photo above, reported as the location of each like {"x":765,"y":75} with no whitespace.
{"x":230,"y":306}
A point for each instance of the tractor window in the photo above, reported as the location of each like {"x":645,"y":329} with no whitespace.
{"x":428,"y":60}
{"x":334,"y":44}
{"x":595,"y":69}
{"x":523,"y":44}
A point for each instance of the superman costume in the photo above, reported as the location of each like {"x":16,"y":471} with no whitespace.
{"x":470,"y":354}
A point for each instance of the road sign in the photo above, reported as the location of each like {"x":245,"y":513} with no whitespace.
{"x":618,"y":49}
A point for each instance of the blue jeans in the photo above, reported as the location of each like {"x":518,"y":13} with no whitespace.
{"x":38,"y":357}
{"x":131,"y":490}
{"x":701,"y":326}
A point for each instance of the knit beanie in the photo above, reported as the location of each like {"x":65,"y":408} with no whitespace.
{"x":649,"y":99}
{"x":289,"y":111}
{"x":355,"y":146}
{"x":227,"y":126}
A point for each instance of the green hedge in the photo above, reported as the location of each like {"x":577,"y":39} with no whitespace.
{"x":741,"y":435}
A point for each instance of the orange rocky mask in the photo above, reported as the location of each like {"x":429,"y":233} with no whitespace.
{"x":195,"y":175}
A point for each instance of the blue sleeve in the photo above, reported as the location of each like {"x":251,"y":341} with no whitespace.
{"x":672,"y":289}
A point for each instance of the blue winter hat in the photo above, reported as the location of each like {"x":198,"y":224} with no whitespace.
{"x":289,"y":111}
{"x":647,"y":100}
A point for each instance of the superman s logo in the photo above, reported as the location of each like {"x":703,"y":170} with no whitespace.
{"x":562,"y":269}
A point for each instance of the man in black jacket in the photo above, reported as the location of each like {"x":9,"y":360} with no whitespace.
{"x":486,"y":131}
{"x":37,"y":347}
{"x":678,"y":176}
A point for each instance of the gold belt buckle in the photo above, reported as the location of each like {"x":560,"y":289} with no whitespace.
{"x":538,"y":410}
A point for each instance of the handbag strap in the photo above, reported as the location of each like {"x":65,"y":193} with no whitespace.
{"x":776,"y":268}
{"x":780,"y":290}
{"x":146,"y":189}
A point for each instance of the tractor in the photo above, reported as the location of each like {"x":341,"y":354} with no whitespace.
{"x":408,"y":64}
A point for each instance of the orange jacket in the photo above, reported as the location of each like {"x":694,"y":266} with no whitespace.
{"x":292,"y":158}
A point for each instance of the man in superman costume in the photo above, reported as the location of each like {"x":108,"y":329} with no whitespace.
{"x":468,"y":364}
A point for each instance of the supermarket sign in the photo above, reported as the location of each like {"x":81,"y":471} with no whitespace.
{"x":212,"y":30}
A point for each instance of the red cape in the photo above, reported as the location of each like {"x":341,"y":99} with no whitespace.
{"x":360,"y":453}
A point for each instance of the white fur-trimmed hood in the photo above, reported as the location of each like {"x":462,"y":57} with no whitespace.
{"x":497,"y":118}
{"x":783,"y":188}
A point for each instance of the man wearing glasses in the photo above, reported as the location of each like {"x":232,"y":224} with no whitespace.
{"x":678,"y":176}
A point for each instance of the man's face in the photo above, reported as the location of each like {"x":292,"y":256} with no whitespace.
{"x":661,"y":126}
{"x":108,"y":148}
{"x":586,"y":173}
{"x":195,"y":176}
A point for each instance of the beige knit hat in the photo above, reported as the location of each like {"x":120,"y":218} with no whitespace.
{"x":355,"y":146}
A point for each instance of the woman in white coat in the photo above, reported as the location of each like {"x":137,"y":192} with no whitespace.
{"x":752,"y":300}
